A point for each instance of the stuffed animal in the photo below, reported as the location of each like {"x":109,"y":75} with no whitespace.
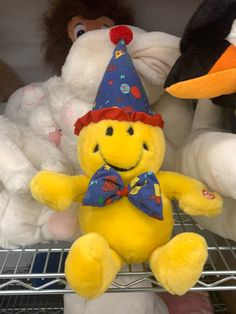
{"x":9,"y":81}
{"x":118,"y":303}
{"x":66,"y":20}
{"x":126,"y":213}
{"x":51,"y":108}
{"x":191,"y":302}
{"x":24,"y":221}
{"x":207,"y":69}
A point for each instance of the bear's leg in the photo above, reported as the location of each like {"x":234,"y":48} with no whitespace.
{"x":91,"y":265}
{"x":179,"y":264}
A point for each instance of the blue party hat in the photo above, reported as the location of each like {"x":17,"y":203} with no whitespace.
{"x":121,"y":95}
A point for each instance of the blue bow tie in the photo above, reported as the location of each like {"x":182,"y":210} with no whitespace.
{"x":106,"y":186}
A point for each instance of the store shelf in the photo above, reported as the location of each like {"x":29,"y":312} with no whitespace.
{"x":39,"y":270}
{"x":54,"y":304}
{"x":31,"y":304}
{"x":219,"y":306}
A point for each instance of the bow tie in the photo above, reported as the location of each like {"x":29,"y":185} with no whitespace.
{"x":106,"y":186}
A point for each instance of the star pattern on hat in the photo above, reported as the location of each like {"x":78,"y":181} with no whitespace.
{"x":121,"y":85}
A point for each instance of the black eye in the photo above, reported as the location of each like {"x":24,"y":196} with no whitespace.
{"x":109,"y":131}
{"x":79,"y":33}
{"x":105,"y":26}
{"x":131,"y":131}
{"x":145,"y":146}
{"x":96,"y":148}
{"x":79,"y":30}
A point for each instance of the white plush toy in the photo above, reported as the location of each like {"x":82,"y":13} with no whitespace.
{"x":117,"y":303}
{"x":24,"y":221}
{"x":209,"y":155}
{"x":72,"y":95}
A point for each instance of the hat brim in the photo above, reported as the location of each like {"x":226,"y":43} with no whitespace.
{"x":118,"y":114}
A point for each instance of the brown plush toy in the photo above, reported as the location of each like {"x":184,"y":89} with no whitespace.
{"x":66,"y":20}
{"x":9,"y":81}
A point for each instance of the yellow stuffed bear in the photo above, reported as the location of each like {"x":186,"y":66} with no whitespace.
{"x":126,"y":212}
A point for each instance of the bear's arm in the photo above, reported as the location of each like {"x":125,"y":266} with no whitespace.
{"x":58,"y":190}
{"x":192,"y":196}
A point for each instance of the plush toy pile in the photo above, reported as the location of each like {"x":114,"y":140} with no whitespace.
{"x":37,"y":131}
{"x":206,"y":70}
{"x":126,"y":213}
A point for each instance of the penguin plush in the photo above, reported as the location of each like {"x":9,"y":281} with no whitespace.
{"x":207,"y":65}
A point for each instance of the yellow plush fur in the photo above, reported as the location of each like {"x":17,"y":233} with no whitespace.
{"x":120,"y":233}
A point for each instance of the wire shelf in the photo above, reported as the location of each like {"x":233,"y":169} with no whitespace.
{"x":54,"y":304}
{"x":219,"y":306}
{"x":39,"y":270}
{"x":31,"y":304}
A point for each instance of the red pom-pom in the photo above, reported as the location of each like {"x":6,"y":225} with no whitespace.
{"x":121,"y":32}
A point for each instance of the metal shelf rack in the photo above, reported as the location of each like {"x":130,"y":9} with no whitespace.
{"x":31,"y":304}
{"x":28,"y":271}
{"x":54,"y":305}
{"x":34,"y":275}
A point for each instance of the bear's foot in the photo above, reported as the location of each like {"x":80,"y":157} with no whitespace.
{"x":179,"y":264}
{"x":91,"y":266}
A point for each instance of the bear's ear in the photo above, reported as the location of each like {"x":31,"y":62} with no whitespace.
{"x":154,"y":54}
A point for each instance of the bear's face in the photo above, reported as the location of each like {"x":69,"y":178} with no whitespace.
{"x":131,"y":148}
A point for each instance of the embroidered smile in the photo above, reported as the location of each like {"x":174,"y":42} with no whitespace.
{"x":96,"y":149}
{"x":121,"y":169}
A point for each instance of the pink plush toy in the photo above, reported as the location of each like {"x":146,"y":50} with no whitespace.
{"x":190,"y":303}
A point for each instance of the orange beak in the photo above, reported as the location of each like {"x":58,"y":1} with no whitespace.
{"x":220,"y":79}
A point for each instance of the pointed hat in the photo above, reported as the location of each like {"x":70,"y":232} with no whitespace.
{"x":121,"y":95}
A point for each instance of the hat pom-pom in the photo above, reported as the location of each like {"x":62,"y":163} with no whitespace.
{"x":121,"y":32}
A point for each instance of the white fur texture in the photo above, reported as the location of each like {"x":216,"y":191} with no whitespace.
{"x":118,"y":303}
{"x":209,"y":155}
{"x":232,"y":35}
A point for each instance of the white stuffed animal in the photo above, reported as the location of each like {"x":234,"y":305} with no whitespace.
{"x":152,"y":54}
{"x":24,"y":221}
{"x":50,"y":109}
{"x":72,"y":95}
{"x":209,"y":155}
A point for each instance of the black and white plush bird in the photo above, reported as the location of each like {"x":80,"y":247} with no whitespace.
{"x":207,"y":65}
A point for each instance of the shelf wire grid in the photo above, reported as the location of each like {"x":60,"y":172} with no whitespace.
{"x":31,"y":304}
{"x":39,"y":270}
{"x":219,"y":306}
{"x":54,"y":304}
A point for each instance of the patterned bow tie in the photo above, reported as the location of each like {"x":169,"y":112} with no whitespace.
{"x":106,"y":187}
